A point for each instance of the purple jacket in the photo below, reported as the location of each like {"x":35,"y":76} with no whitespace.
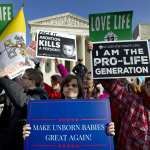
{"x":62,"y":70}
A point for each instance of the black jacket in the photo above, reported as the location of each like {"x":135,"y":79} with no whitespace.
{"x":80,"y":70}
{"x":15,"y":108}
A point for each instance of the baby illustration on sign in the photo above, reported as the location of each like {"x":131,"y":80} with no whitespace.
{"x":69,"y":51}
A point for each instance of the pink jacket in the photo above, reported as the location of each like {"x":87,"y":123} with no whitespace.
{"x":62,"y":70}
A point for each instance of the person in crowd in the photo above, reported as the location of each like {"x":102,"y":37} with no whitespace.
{"x":54,"y":90}
{"x":134,"y":114}
{"x":31,"y":82}
{"x":101,"y":93}
{"x":135,"y":86}
{"x":17,"y":96}
{"x":93,"y":90}
{"x":80,"y":70}
{"x":71,"y":88}
{"x":8,"y":122}
{"x":89,"y":88}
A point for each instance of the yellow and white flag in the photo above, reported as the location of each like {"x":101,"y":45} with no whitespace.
{"x":13,"y":46}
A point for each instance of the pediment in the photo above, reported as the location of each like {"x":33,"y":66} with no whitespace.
{"x":62,"y":20}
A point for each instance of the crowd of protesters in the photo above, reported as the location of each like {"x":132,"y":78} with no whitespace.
{"x":129,"y":99}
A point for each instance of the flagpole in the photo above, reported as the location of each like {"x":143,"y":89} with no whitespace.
{"x":23,"y":3}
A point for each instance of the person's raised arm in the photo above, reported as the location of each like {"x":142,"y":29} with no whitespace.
{"x":61,"y":68}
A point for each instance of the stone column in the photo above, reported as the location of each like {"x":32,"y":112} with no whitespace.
{"x":82,"y":49}
{"x":63,"y":62}
{"x":53,"y":67}
{"x":33,"y":34}
{"x":73,"y":63}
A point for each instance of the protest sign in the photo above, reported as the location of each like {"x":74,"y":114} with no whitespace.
{"x":55,"y":44}
{"x":71,"y":124}
{"x":110,"y":26}
{"x":120,"y":59}
{"x":31,"y":54}
{"x":31,"y":49}
{"x":6,"y":14}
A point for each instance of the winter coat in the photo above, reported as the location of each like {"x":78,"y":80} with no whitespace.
{"x":14,"y":113}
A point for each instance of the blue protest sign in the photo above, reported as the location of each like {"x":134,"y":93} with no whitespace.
{"x":70,"y":124}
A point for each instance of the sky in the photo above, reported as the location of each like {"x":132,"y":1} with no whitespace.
{"x":35,"y":9}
